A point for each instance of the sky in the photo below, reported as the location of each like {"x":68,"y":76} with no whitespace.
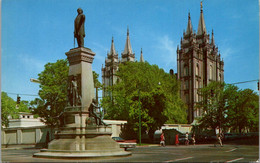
{"x":35,"y":32}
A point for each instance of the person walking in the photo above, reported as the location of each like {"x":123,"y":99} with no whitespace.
{"x":193,"y":139}
{"x":162,"y":143}
{"x":219,"y":137}
{"x":177,"y":139}
{"x":187,"y":139}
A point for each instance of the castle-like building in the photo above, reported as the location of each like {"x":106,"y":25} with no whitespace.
{"x":198,"y":63}
{"x":112,"y":62}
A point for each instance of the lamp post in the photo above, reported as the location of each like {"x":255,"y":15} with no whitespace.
{"x":140,"y":124}
{"x":35,"y":80}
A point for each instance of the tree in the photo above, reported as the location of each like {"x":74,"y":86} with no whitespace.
{"x":10,"y":108}
{"x":53,"y":92}
{"x":159,"y":98}
{"x":213,"y":105}
{"x":227,"y":107}
{"x":244,"y":113}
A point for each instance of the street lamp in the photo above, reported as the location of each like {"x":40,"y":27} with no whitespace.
{"x":35,"y":80}
{"x":140,"y":124}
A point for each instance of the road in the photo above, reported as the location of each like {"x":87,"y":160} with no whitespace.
{"x":197,"y":153}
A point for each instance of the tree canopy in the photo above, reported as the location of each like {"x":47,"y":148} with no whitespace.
{"x":159,"y":97}
{"x":9,"y":107}
{"x":227,"y":107}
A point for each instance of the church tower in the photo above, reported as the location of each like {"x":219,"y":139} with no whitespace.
{"x":112,"y":62}
{"x":127,"y":54}
{"x":198,"y":63}
{"x":109,"y":77}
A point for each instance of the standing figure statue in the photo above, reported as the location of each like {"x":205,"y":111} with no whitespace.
{"x":79,"y":30}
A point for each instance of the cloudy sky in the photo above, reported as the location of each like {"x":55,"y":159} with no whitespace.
{"x":35,"y":32}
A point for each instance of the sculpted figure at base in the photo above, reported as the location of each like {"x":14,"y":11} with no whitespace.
{"x":74,"y":97}
{"x":79,"y":29}
{"x":93,"y":113}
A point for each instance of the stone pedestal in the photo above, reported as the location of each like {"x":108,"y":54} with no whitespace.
{"x":79,"y":138}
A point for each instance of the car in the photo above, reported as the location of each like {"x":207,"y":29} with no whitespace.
{"x":125,"y":143}
{"x":182,"y":139}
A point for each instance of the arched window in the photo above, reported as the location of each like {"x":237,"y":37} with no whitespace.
{"x":220,"y":77}
{"x":187,"y":98}
{"x":186,"y":70}
{"x":186,"y":84}
{"x":210,"y":72}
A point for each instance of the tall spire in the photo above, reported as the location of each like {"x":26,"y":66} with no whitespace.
{"x":212,"y":38}
{"x":141,"y":56}
{"x":202,"y":26}
{"x":128,"y":48}
{"x":112,"y":49}
{"x":189,"y":26}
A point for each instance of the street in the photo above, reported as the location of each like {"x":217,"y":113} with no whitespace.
{"x":155,"y":153}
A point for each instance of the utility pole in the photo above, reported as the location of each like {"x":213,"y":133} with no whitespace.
{"x":140,"y":124}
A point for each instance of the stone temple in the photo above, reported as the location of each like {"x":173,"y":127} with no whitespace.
{"x":198,"y":63}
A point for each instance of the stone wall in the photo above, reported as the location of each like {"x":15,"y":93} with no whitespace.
{"x":34,"y":136}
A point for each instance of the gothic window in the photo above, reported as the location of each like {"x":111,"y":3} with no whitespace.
{"x":186,"y":84}
{"x":197,"y":69}
{"x":210,"y":72}
{"x":220,"y":77}
{"x":186,"y":70}
{"x":187,"y":98}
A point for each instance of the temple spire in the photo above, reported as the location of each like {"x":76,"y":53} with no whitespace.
{"x":128,"y":48}
{"x":141,"y":56}
{"x":189,"y":26}
{"x":212,"y":38}
{"x":112,"y":49}
{"x":202,"y":26}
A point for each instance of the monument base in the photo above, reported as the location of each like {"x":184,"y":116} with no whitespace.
{"x":78,"y":142}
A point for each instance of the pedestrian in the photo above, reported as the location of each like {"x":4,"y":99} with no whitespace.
{"x":177,"y":139}
{"x":219,"y":137}
{"x":193,"y":139}
{"x":162,"y":143}
{"x":187,"y":139}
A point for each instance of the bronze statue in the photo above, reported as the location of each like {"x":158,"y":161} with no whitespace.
{"x":93,"y":113}
{"x":79,"y":30}
{"x":74,"y":97}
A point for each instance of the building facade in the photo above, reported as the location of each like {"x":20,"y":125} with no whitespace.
{"x":198,"y":63}
{"x":112,"y":61}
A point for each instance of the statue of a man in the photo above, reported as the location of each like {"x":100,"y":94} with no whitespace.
{"x":79,"y":31}
{"x":74,"y":97}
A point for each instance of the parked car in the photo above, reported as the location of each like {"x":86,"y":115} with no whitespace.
{"x":182,"y":139}
{"x":229,"y":136}
{"x":125,"y":143}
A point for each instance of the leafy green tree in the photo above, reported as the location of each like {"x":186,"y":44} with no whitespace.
{"x":244,"y":113}
{"x":53,"y":92}
{"x":227,"y":107}
{"x":213,"y":105}
{"x":8,"y":107}
{"x":159,"y":98}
